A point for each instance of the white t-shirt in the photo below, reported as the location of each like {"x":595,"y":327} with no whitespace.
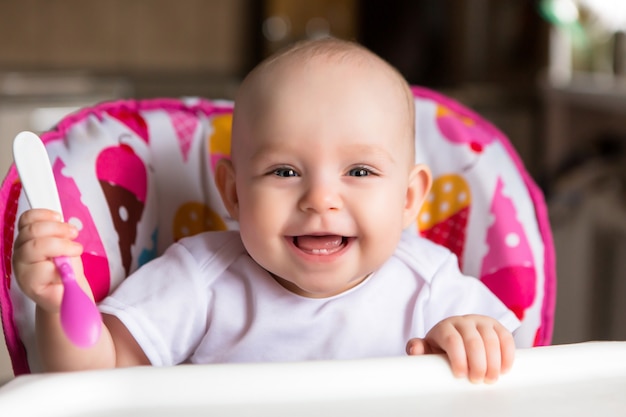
{"x":206,"y":301}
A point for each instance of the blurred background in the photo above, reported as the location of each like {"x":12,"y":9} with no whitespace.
{"x":551,"y":74}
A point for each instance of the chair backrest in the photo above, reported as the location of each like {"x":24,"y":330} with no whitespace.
{"x":137,"y":175}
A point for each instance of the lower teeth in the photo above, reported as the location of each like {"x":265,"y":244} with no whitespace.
{"x":320,"y":251}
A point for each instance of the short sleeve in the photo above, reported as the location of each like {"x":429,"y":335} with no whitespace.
{"x":164,"y":306}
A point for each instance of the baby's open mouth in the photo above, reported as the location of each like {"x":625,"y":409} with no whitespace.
{"x":320,"y":245}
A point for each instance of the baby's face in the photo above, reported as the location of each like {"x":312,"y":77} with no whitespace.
{"x":325,"y":176}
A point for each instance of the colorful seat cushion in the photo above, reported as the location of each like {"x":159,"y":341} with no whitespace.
{"x":137,"y":175}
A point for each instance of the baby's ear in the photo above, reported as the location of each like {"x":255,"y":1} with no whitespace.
{"x":420,"y":180}
{"x":226,"y":185}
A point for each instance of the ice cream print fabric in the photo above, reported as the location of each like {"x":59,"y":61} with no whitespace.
{"x":508,"y":267}
{"x":136,"y":175}
{"x":478,"y":206}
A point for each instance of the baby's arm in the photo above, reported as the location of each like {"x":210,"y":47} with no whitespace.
{"x":42,"y":236}
{"x":478,"y":347}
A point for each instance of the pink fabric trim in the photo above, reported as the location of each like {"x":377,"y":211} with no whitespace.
{"x":544,"y":337}
{"x":202,"y":105}
{"x":15,"y":347}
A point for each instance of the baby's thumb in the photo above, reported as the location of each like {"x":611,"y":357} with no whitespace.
{"x":416,"y":346}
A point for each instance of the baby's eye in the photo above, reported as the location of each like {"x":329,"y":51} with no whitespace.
{"x":359,"y":172}
{"x":285,"y":172}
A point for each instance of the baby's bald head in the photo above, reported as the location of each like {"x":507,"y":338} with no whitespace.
{"x":293,"y":67}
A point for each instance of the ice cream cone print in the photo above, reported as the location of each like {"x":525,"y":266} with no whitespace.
{"x":443,"y":216}
{"x":462,"y":129}
{"x":508,"y":268}
{"x":123,"y":178}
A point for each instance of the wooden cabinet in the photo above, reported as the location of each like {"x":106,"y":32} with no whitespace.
{"x":156,"y":36}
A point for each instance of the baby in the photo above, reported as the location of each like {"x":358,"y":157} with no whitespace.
{"x":322,"y":181}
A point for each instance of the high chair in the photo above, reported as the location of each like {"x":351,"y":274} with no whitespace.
{"x":136,"y":175}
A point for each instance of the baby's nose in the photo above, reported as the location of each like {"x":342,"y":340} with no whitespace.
{"x":321,"y":196}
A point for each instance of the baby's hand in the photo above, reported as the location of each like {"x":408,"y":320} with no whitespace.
{"x":478,"y":347}
{"x":42,"y":236}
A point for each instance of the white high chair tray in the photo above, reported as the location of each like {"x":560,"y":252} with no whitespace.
{"x":568,"y":380}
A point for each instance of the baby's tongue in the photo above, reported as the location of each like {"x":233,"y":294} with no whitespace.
{"x":317,"y":243}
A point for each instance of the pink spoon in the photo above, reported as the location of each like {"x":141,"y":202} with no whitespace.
{"x":80,"y":318}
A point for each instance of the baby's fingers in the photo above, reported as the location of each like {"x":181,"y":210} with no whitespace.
{"x":488,"y":365}
{"x":38,"y":215}
{"x":466,"y":352}
{"x":450,"y":337}
{"x":419,"y":346}
{"x":44,"y":237}
{"x":497,"y":353}
{"x":507,"y":347}
{"x":477,"y":347}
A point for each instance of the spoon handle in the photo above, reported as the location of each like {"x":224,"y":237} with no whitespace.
{"x":80,"y":317}
{"x":33,"y":165}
